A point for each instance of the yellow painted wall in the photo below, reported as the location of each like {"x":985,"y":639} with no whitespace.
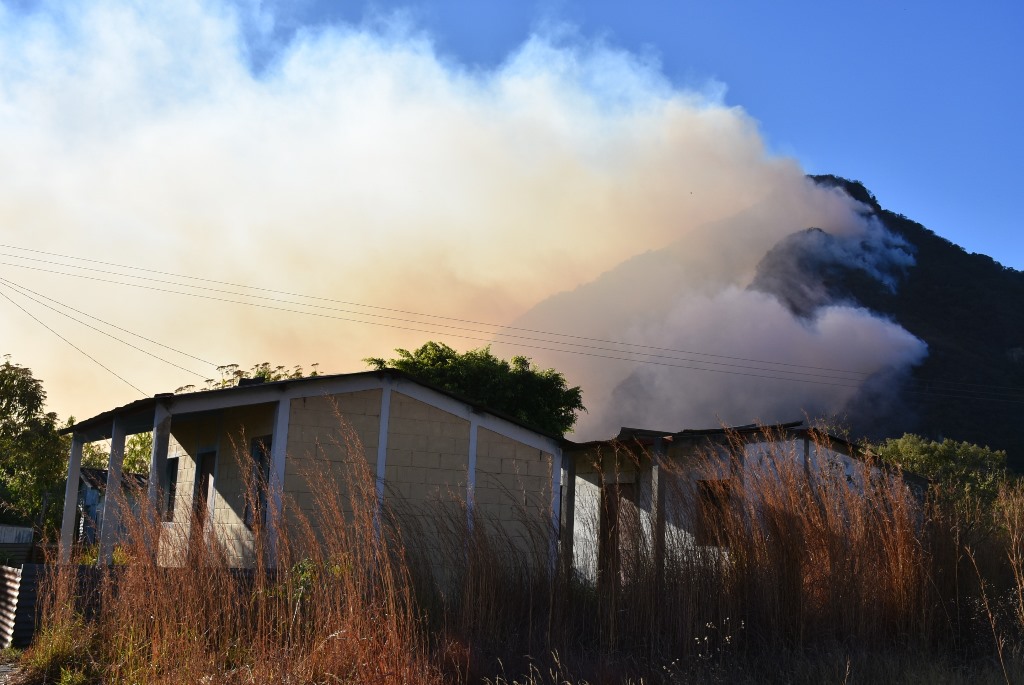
{"x":332,"y":440}
{"x":513,"y":490}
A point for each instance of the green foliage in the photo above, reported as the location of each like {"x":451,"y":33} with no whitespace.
{"x":232,"y":374}
{"x":72,"y":676}
{"x":59,"y":648}
{"x":961,"y":470}
{"x":138,"y":451}
{"x":10,"y":655}
{"x":517,"y":387}
{"x":32,"y":452}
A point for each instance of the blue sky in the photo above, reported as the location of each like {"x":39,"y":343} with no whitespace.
{"x":922,"y":101}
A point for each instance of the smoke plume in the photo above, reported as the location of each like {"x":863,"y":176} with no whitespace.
{"x":572,"y":188}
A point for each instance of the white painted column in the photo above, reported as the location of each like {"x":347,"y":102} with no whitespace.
{"x":658,"y":506}
{"x":474,"y":428}
{"x":556,"y":509}
{"x":112,"y":497}
{"x":278,"y":451}
{"x":382,"y":451}
{"x":567,"y":528}
{"x":158,"y":459}
{"x":67,"y":528}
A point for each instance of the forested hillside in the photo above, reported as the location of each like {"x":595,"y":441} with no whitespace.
{"x":970,"y":311}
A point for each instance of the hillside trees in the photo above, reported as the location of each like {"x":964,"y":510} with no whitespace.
{"x":538,"y":397}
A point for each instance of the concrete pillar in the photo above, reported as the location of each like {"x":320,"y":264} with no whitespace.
{"x":474,"y":429}
{"x":556,"y":509}
{"x":158,"y":459}
{"x":275,"y":485}
{"x":382,"y":455}
{"x":112,"y":497}
{"x":658,"y":505}
{"x":382,"y":444}
{"x":568,"y":525}
{"x":67,"y":528}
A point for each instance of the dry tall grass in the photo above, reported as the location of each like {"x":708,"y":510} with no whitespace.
{"x":817,"y":576}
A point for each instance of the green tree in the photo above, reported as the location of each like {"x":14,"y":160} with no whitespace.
{"x":962,"y":472}
{"x":32,"y":462}
{"x":138,"y":451}
{"x":516,"y":387}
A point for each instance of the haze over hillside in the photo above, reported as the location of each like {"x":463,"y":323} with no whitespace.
{"x":883,"y":327}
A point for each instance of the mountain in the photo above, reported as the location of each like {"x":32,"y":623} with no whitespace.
{"x":747,"y":318}
{"x":968,"y":308}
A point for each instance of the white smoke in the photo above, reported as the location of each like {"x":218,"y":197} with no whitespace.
{"x":358,"y":164}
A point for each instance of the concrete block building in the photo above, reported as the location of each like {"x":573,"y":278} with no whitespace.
{"x":420,"y":445}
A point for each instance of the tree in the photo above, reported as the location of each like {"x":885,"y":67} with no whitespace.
{"x":963,"y":472}
{"x":232,"y":374}
{"x":138,"y":451}
{"x":32,"y":463}
{"x":537,"y":397}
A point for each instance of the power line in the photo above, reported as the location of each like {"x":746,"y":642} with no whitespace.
{"x":17,"y":288}
{"x":98,"y":362}
{"x":96,"y":318}
{"x":961,"y":392}
{"x":857,"y":376}
{"x":469,"y":337}
{"x":491,"y":335}
{"x":388,"y":309}
{"x":953,"y":394}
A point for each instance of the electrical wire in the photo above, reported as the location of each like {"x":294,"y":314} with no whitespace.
{"x":107,"y":323}
{"x":501,"y":327}
{"x":16,"y":288}
{"x":98,"y":362}
{"x":952,"y":392}
{"x":856,"y":376}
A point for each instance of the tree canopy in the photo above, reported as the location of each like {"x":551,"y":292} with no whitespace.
{"x":32,"y":462}
{"x":538,"y":397}
{"x":232,"y":374}
{"x":963,"y":471}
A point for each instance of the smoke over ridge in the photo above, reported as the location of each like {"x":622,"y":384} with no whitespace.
{"x":572,"y":188}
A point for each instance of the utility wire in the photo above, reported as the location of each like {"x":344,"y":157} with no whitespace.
{"x":469,"y":337}
{"x":491,"y":334}
{"x":947,"y":394}
{"x":449,"y":327}
{"x":98,"y":362}
{"x":953,"y":386}
{"x":107,"y":323}
{"x":953,"y":392}
{"x":16,"y":288}
{"x":388,"y":309}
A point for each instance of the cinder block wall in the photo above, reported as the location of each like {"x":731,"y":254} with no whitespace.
{"x":331,"y":441}
{"x":425,"y":475}
{"x":513,"y":490}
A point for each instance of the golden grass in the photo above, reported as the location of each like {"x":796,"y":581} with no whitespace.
{"x":813,"y":579}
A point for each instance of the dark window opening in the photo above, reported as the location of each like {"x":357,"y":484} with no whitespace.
{"x":258,"y":479}
{"x":172,"y":488}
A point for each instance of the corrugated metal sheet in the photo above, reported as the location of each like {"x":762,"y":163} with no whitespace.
{"x":10,"y":583}
{"x":18,"y":593}
{"x":25,"y":615}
